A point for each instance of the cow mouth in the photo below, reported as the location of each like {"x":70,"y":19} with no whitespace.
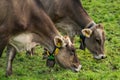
{"x":98,"y":56}
{"x":76,"y":69}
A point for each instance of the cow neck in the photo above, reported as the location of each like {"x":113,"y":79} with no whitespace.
{"x":89,"y":25}
{"x":51,"y":56}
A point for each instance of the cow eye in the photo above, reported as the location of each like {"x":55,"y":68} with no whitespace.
{"x":66,"y":45}
{"x":98,"y":40}
{"x":72,"y":51}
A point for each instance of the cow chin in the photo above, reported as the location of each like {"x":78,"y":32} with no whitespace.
{"x":69,"y":66}
{"x":100,"y":56}
{"x":74,"y":69}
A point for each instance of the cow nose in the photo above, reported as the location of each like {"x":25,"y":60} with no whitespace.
{"x":77,"y":68}
{"x":103,"y":57}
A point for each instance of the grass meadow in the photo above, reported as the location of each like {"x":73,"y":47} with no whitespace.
{"x":106,"y":12}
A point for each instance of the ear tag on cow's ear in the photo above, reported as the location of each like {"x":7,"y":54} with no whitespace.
{"x":56,"y":51}
{"x":57,"y":48}
{"x":87,"y":32}
{"x":59,"y":44}
{"x":48,"y":53}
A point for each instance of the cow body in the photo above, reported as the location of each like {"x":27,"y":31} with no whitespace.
{"x":71,"y":18}
{"x":24,"y":24}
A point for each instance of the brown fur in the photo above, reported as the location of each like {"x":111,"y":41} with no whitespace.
{"x":66,"y":8}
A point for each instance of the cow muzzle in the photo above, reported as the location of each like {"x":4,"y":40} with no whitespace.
{"x":100,"y":56}
{"x":76,"y":69}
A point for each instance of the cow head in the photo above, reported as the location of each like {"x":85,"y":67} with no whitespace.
{"x":65,"y":54}
{"x":93,"y":39}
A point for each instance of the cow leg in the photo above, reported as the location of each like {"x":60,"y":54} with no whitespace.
{"x":11,"y":52}
{"x":72,"y":36}
{"x":72,"y":39}
{"x":3,"y":43}
{"x":1,"y":50}
{"x":45,"y":56}
{"x":30,"y":52}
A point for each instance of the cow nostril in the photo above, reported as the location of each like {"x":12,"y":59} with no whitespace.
{"x":103,"y":57}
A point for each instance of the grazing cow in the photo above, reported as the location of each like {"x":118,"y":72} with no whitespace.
{"x":24,"y":24}
{"x":71,"y":18}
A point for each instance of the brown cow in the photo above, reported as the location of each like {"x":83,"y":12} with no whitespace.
{"x":24,"y":24}
{"x":71,"y":18}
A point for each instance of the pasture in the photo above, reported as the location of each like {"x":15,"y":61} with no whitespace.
{"x":106,"y":12}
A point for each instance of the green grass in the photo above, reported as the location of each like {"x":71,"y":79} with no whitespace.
{"x":106,"y":12}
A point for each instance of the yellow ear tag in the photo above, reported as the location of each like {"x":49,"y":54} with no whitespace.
{"x":58,"y":44}
{"x":87,"y":35}
{"x":48,"y":53}
{"x":57,"y":49}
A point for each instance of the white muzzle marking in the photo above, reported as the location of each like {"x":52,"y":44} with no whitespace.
{"x":78,"y":69}
{"x":99,"y":56}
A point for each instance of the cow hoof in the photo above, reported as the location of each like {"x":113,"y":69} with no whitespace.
{"x":8,"y":73}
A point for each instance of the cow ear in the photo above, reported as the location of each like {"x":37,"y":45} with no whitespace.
{"x":100,"y":26}
{"x":87,"y":32}
{"x":58,"y":41}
